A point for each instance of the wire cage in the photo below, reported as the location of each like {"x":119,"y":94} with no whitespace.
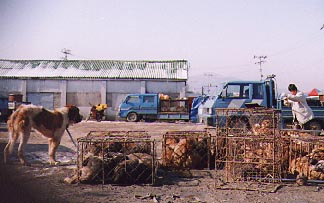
{"x":186,"y":150}
{"x":306,"y":155}
{"x":215,"y":152}
{"x":248,"y":147}
{"x":117,"y":157}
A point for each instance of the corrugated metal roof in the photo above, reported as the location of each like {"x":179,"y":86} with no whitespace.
{"x":177,"y":69}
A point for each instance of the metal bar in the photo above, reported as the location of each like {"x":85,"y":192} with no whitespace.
{"x":71,"y":137}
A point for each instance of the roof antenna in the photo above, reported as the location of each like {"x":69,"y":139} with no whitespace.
{"x":66,"y":52}
{"x":261,"y":60}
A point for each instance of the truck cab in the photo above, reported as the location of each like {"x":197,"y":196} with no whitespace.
{"x":135,"y":106}
{"x":240,"y":94}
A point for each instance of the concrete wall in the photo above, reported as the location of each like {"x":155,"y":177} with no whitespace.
{"x":124,"y":86}
{"x":85,"y":93}
{"x":12,"y":86}
{"x":174,"y":89}
{"x":43,"y":85}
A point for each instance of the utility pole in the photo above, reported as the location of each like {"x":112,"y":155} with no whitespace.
{"x":209,"y":86}
{"x":261,"y":60}
{"x":66,"y":52}
{"x":210,"y":77}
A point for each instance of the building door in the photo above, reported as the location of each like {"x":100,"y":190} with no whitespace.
{"x":42,"y":99}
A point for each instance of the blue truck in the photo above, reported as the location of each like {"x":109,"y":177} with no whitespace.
{"x":151,"y":107}
{"x":244,"y":94}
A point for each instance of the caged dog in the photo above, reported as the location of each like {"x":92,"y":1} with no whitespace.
{"x":50,"y":124}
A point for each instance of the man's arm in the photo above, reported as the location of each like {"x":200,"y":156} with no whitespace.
{"x":286,"y":102}
{"x":299,"y":97}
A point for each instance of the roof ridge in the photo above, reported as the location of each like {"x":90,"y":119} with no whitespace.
{"x":97,"y":60}
{"x":176,"y":69}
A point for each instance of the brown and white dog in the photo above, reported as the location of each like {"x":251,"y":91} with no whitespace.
{"x":50,"y":124}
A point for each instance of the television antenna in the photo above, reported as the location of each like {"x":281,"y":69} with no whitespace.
{"x":261,"y":60}
{"x":66,"y":52}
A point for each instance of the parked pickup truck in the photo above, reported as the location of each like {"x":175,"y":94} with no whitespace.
{"x":240,"y":94}
{"x":153,"y":107}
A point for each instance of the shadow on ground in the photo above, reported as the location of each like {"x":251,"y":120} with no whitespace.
{"x":38,"y":154}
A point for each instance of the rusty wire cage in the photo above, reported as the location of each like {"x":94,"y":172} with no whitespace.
{"x":212,"y":131}
{"x":117,"y":157}
{"x":306,"y":155}
{"x":186,"y":150}
{"x":248,"y":147}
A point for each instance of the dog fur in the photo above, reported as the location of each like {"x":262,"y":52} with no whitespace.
{"x":50,"y":124}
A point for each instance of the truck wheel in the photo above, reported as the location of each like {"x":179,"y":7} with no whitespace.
{"x":132,"y":117}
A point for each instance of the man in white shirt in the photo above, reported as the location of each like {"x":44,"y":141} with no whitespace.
{"x":302,"y":113}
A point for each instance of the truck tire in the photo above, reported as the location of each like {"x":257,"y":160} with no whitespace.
{"x":132,"y":117}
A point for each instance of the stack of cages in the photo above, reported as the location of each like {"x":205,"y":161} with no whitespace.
{"x":186,"y":150}
{"x":117,"y":157}
{"x":306,"y":156}
{"x":248,"y":148}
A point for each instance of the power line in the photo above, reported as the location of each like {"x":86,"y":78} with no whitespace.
{"x":314,"y":37}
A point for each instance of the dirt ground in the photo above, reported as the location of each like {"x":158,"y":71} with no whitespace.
{"x":42,"y":182}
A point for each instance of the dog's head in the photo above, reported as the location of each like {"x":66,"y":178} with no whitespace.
{"x":266,"y":124}
{"x":316,"y":156}
{"x":74,"y":114}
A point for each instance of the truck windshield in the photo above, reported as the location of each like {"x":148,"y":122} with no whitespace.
{"x":237,"y":91}
{"x":132,"y":99}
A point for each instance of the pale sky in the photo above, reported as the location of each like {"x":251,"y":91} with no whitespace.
{"x":217,"y":37}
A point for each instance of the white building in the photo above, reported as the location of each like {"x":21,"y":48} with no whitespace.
{"x":56,"y":83}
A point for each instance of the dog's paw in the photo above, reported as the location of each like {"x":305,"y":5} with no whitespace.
{"x":54,"y":163}
{"x":71,"y":180}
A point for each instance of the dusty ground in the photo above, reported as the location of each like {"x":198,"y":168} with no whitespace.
{"x":41,"y":182}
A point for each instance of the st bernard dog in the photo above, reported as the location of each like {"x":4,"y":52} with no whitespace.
{"x":50,"y":124}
